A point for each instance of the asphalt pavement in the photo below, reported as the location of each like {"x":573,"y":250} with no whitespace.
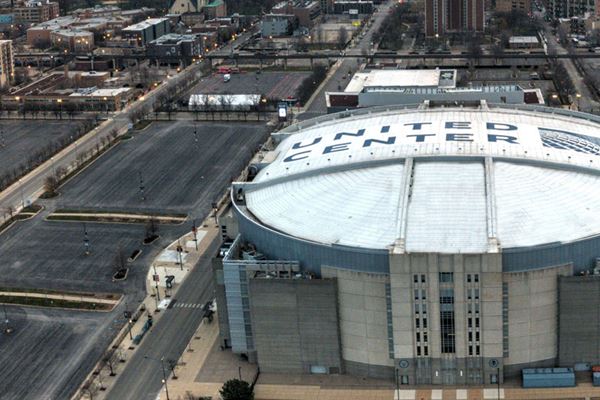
{"x":183,"y":167}
{"x":348,"y":66}
{"x":49,"y":351}
{"x":20,"y":139}
{"x":142,"y":379}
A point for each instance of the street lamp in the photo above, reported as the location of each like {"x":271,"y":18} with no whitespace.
{"x":86,"y":241}
{"x":162,"y":366}
{"x":130,"y":322}
{"x":7,"y":329}
{"x":59,"y":101}
{"x":22,"y":195}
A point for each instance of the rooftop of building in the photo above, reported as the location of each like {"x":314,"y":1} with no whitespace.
{"x":402,"y":78}
{"x":448,"y":180}
{"x":73,"y":33}
{"x":174,"y":38}
{"x":523,"y":40}
{"x":145,"y":24}
{"x":296,"y":4}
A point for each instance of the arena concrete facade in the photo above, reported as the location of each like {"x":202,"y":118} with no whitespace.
{"x":445,"y":230}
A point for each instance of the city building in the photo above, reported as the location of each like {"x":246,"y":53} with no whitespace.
{"x":443,"y":16}
{"x":307,"y":11}
{"x":54,"y":92}
{"x":187,"y":6}
{"x":523,"y":42}
{"x":113,"y":11}
{"x":7,"y":63}
{"x":421,"y":244}
{"x":147,"y":30}
{"x":39,"y":35}
{"x":215,"y":9}
{"x":72,"y":40}
{"x":438,"y":86}
{"x":352,"y":7}
{"x":516,"y":5}
{"x":34,"y":11}
{"x":570,"y":8}
{"x":174,"y":48}
{"x":275,"y":25}
{"x":326,"y":6}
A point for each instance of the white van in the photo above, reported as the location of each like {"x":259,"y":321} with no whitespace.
{"x":226,"y":77}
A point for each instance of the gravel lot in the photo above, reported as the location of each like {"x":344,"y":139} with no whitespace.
{"x":179,"y":173}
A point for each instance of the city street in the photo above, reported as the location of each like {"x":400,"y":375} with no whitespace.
{"x":586,"y":102}
{"x":141,"y":380}
{"x":338,"y":80}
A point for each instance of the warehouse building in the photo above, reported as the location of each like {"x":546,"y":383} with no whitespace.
{"x":395,"y":87}
{"x":435,"y":245}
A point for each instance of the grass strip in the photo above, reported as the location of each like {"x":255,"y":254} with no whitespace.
{"x":54,"y":303}
{"x":61,"y":293}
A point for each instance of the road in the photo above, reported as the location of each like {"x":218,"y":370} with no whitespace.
{"x":31,"y":186}
{"x":586,"y":102}
{"x":346,"y":67}
{"x":141,"y":380}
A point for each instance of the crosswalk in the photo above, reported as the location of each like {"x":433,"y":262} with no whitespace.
{"x":187,"y":305}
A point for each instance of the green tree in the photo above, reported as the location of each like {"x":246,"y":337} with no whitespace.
{"x":235,"y":389}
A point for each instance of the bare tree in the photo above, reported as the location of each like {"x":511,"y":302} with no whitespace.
{"x":110,"y":358}
{"x":90,"y":389}
{"x":51,"y":185}
{"x":172,"y":366}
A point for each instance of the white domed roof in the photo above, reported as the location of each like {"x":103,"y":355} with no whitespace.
{"x":434,"y":180}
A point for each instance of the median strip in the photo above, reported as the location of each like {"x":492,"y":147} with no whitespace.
{"x":88,"y":302}
{"x":115,"y":217}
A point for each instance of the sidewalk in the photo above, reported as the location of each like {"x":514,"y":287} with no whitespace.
{"x":164,"y":264}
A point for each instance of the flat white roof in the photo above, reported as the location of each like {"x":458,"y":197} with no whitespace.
{"x":438,"y":180}
{"x":523,"y":39}
{"x":103,"y":92}
{"x":145,"y":24}
{"x":397,"y":78}
{"x":230,"y":100}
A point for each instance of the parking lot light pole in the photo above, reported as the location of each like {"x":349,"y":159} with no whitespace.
{"x":86,"y":241}
{"x":7,"y":329}
{"x":130,"y":322}
{"x":22,"y":195}
{"x":195,"y":230}
{"x":164,"y":373}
